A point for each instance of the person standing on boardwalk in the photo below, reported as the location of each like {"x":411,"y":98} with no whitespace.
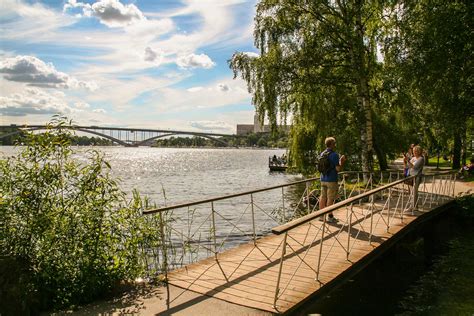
{"x":407,"y":157}
{"x":329,"y":186}
{"x":415,"y":165}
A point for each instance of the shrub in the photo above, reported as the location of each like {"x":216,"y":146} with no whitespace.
{"x":69,"y":224}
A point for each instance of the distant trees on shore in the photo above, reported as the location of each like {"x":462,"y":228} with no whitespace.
{"x":280,"y":140}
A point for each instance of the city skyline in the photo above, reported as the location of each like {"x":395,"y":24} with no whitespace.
{"x":126,"y":63}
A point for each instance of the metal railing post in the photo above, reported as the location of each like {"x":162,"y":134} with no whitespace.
{"x":389,"y":207}
{"x":283,"y":203}
{"x":432,"y":191}
{"x":321,"y":248}
{"x":307,"y":198}
{"x":253,"y":220}
{"x":403,"y":204}
{"x":358,"y":184}
{"x":344,"y":185}
{"x":454,"y":185}
{"x":165,"y":258}
{"x":349,"y":227}
{"x":214,"y":229}
{"x":371,"y":218}
{"x":283,"y":252}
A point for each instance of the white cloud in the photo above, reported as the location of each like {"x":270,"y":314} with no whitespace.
{"x":114,"y":14}
{"x":223,"y":87}
{"x":33,"y":102}
{"x":35,"y":72}
{"x":149,"y":29}
{"x":195,"y":61}
{"x":30,"y":20}
{"x":173,"y":100}
{"x":211,"y":125}
{"x":102,"y":111}
{"x":82,"y":105}
{"x":194,"y":89}
{"x":73,"y":4}
{"x":153,"y":56}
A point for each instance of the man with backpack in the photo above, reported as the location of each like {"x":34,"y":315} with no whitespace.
{"x":329,"y":165}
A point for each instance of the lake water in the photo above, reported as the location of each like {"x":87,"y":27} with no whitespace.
{"x":187,"y":174}
{"x":191,"y":174}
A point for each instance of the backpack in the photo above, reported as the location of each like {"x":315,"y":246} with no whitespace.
{"x":324,"y":165}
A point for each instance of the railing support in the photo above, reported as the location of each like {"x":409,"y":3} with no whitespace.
{"x":253,"y":220}
{"x":307,"y":198}
{"x":165,"y":258}
{"x":214,"y":229}
{"x":349,"y":228}
{"x":282,"y":258}
{"x":283,"y":202}
{"x":321,"y":248}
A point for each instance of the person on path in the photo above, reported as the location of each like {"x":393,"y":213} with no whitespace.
{"x":329,"y":186}
{"x":415,"y":165}
{"x":407,"y":157}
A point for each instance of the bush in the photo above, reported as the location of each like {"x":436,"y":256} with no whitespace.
{"x":70,"y":225}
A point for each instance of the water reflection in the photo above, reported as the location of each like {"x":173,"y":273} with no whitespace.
{"x":175,"y":175}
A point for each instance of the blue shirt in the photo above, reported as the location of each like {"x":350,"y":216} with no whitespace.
{"x":331,"y":176}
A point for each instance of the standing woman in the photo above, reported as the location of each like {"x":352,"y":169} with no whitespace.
{"x":415,"y":164}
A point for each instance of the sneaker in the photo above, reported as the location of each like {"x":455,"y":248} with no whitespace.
{"x":332,"y":219}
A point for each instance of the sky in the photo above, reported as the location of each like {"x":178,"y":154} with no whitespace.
{"x":151,"y":64}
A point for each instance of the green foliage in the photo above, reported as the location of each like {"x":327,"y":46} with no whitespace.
{"x":90,"y":141}
{"x":9,"y":136}
{"x":70,"y":224}
{"x":318,"y":63}
{"x":431,"y":54}
{"x":377,"y":75}
{"x":277,"y":139}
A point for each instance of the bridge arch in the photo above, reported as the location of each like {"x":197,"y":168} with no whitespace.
{"x":118,"y":141}
{"x":93,"y":130}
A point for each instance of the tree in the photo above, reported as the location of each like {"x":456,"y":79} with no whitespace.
{"x":432,"y":50}
{"x":316,"y":63}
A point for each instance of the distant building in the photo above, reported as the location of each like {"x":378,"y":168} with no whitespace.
{"x":244,"y":129}
{"x":256,"y":127}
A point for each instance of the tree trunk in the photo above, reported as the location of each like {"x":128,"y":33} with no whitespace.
{"x":380,"y":156}
{"x":464,"y":145}
{"x":457,"y":150}
{"x":360,"y":62}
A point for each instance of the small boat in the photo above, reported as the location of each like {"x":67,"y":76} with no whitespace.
{"x":277,"y":163}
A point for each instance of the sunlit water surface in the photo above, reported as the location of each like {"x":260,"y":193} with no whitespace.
{"x":186,"y":174}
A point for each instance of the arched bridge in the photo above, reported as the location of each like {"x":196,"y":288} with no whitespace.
{"x":121,"y":135}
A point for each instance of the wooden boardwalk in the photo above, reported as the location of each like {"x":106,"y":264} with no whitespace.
{"x":247,"y":275}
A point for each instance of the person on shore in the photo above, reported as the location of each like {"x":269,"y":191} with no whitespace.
{"x":275,"y":160}
{"x":467,"y":170}
{"x":407,"y":157}
{"x":329,"y":186}
{"x":415,"y":165}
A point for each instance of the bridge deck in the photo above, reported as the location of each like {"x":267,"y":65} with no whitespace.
{"x":247,"y":275}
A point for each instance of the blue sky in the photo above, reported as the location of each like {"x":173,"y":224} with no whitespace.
{"x":153,"y":64}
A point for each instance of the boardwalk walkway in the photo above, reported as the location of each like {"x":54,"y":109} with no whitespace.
{"x":245,"y":279}
{"x":248,"y":274}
